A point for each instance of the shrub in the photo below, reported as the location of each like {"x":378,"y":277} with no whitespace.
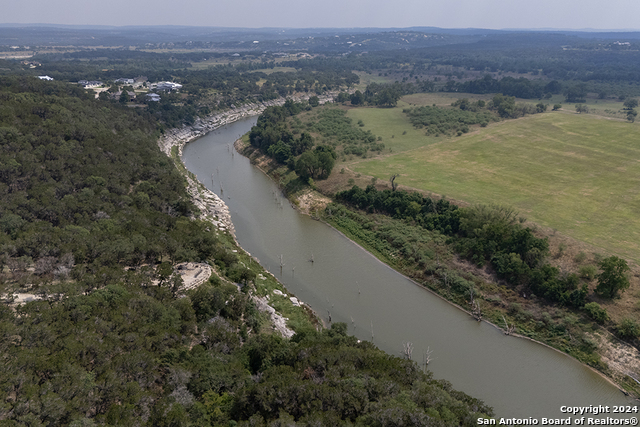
{"x":628,"y":329}
{"x":588,"y":272}
{"x":580,"y":257}
{"x":596,"y":312}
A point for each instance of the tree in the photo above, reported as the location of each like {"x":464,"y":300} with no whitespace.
{"x":357,"y":98}
{"x":163,"y":272}
{"x":577,"y":93}
{"x":631,"y":115}
{"x":307,"y":165}
{"x":342,"y":97}
{"x":556,"y":107}
{"x":314,"y":101}
{"x":387,"y":97}
{"x":392,"y":180}
{"x":302,"y":144}
{"x":581,"y":108}
{"x":628,"y":329}
{"x":630,"y":104}
{"x":613,"y":277}
{"x":280,"y":151}
{"x":505,"y":105}
{"x":553,"y":87}
{"x":326,"y":162}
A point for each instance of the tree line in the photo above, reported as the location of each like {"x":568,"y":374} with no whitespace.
{"x":272,"y":136}
{"x":490,"y":235}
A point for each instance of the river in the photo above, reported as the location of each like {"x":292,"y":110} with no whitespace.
{"x":517,"y":377}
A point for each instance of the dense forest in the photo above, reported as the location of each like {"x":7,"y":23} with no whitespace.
{"x":85,"y":181}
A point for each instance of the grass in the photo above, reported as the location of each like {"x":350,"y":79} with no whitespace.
{"x":367,"y":78}
{"x":579,"y":174}
{"x":276,"y":70}
{"x":393,"y":126}
{"x":441,"y":99}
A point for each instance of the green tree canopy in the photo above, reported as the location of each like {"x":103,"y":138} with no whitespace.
{"x":613,"y":278}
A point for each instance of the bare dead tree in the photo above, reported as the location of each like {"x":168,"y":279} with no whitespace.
{"x":426,"y":358}
{"x":372,"y":331}
{"x":509,"y":329}
{"x":68,"y":260}
{"x":476,"y":311}
{"x":45,"y":265}
{"x":407,"y":350}
{"x":392,"y":180}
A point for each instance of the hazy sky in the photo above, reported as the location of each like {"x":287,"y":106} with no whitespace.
{"x":575,"y":14}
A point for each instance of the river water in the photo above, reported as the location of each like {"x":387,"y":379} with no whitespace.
{"x":517,"y":377}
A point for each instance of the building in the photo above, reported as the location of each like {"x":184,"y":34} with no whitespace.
{"x":45,"y":78}
{"x":168,"y":86}
{"x":89,"y":84}
{"x":153,"y":97}
{"x":125,"y":81}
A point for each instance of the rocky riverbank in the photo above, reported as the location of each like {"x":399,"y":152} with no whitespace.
{"x":212,"y":208}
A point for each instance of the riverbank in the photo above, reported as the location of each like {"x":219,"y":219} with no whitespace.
{"x":284,"y":310}
{"x":212,"y":208}
{"x":617,"y":361}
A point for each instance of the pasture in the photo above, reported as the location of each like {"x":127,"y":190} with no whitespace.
{"x":579,"y":174}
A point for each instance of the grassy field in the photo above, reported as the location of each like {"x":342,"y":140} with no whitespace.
{"x":367,"y":78}
{"x":276,"y":70}
{"x":579,"y":174}
{"x":394,"y":127}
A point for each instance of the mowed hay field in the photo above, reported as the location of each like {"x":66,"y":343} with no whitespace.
{"x":579,"y":174}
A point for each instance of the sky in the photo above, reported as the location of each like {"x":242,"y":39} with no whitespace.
{"x":490,"y":14}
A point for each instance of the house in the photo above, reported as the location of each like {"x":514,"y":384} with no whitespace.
{"x":125,"y":81}
{"x":168,"y":86}
{"x":45,"y":78}
{"x":89,"y":84}
{"x":153,"y":97}
{"x":140,"y":81}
